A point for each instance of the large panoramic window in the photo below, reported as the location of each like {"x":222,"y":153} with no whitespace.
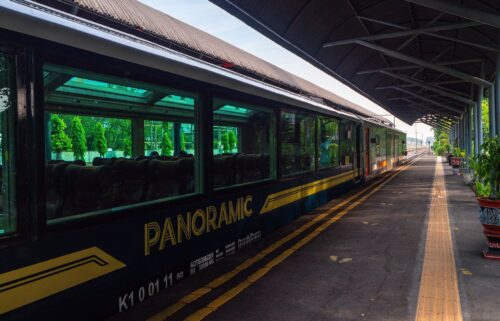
{"x":7,"y":171}
{"x":243,"y":143}
{"x":297,"y":142}
{"x":114,"y":142}
{"x":328,"y":142}
{"x":347,"y":143}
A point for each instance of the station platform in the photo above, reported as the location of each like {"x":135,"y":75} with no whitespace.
{"x":406,"y":246}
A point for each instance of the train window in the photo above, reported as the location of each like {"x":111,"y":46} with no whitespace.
{"x":347,"y":143}
{"x":114,"y":142}
{"x":225,"y":140}
{"x":7,"y":171}
{"x":88,"y":140}
{"x":328,"y":142}
{"x":244,"y":143}
{"x":159,"y":137}
{"x":297,"y":142}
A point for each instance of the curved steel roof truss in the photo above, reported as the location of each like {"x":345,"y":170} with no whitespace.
{"x":426,"y":60}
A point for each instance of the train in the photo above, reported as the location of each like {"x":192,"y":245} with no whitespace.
{"x":130,"y":162}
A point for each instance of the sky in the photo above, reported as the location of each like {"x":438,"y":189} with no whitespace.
{"x":206,"y":16}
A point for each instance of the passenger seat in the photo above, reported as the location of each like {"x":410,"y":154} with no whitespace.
{"x":162,"y":180}
{"x":129,"y":181}
{"x":87,"y":189}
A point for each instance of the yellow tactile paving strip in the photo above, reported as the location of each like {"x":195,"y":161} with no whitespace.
{"x":438,"y":297}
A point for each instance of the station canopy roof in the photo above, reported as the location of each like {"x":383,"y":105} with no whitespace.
{"x":420,"y":59}
{"x":134,"y":17}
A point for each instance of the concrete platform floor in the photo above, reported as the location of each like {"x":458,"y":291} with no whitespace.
{"x":367,"y":265}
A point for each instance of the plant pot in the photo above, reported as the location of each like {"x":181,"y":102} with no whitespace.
{"x":456,"y":161}
{"x":489,"y":215}
{"x":448,"y":158}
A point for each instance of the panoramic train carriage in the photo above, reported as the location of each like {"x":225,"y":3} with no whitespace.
{"x":385,"y":148}
{"x":127,"y":166}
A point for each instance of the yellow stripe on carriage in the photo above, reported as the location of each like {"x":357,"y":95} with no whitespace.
{"x":35,"y":282}
{"x":294,"y":194}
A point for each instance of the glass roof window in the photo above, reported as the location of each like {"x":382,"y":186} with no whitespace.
{"x":234,"y":111}
{"x":88,"y":87}
{"x":74,"y":87}
{"x":176,"y":101}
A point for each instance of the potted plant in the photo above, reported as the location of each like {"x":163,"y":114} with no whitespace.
{"x":448,"y":158}
{"x":486,"y":168}
{"x":457,"y":158}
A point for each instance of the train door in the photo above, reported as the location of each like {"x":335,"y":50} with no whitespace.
{"x":367,"y":152}
{"x":395,"y":153}
{"x":389,"y":149}
{"x":357,"y":160}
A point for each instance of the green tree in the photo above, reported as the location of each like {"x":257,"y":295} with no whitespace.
{"x":224,"y":140}
{"x":100,"y":139}
{"x":485,"y":117}
{"x":182,"y":141}
{"x":78,"y":139}
{"x":441,"y":142}
{"x":231,"y":140}
{"x":59,"y":139}
{"x":127,"y":150}
{"x":166,"y":145}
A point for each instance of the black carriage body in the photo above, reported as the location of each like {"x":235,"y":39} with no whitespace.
{"x":97,"y":264}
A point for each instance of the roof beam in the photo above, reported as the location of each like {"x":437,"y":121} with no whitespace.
{"x":409,"y":40}
{"x":408,"y":67}
{"x":429,"y":87}
{"x":385,"y":23}
{"x":425,"y":64}
{"x":460,"y":10}
{"x":437,"y":83}
{"x":402,"y":33}
{"x":442,"y":126}
{"x":436,"y":120}
{"x":463,"y":42}
{"x":365,"y":28}
{"x":433,"y":60}
{"x":427,"y":95}
{"x":411,"y":93}
{"x":428,"y":109}
{"x":440,"y":122}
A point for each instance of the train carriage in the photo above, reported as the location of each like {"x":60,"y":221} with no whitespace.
{"x":130,"y":162}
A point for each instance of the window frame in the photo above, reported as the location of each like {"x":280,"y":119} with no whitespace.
{"x":274,"y":142}
{"x":139,"y":74}
{"x":26,"y":154}
{"x":314,"y":115}
{"x":318,"y":122}
{"x":12,"y":116}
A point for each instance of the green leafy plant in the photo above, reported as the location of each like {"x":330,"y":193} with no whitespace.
{"x":224,"y":140}
{"x":166,"y":145}
{"x":101,"y":143}
{"x":182,"y":141}
{"x":78,"y":139}
{"x":486,"y":168}
{"x":458,"y":152}
{"x":127,"y":147}
{"x":59,"y":140}
{"x":441,"y":144}
{"x":231,"y":140}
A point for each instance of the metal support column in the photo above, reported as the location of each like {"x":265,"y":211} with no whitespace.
{"x":468,"y":132}
{"x":491,"y":110}
{"x":478,"y":119}
{"x":460,"y":133}
{"x":496,"y":120}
